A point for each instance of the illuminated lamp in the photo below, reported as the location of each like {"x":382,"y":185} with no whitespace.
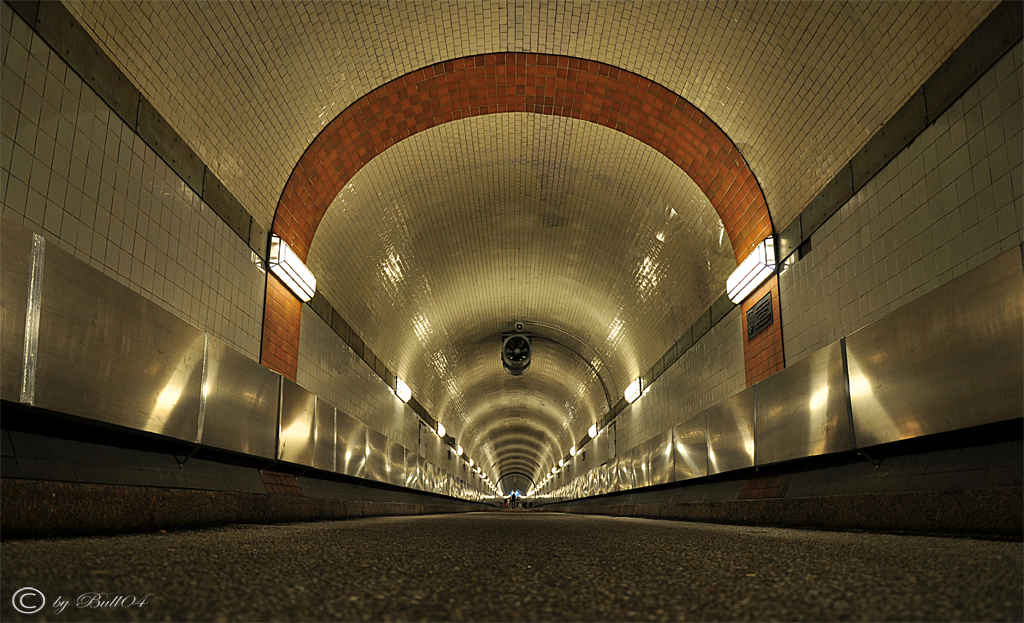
{"x":632,"y":391}
{"x":402,"y":390}
{"x":287,"y":267}
{"x":751,"y":272}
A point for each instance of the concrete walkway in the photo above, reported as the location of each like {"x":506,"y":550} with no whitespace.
{"x":501,"y":566}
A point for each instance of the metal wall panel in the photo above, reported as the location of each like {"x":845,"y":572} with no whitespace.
{"x":951,"y":359}
{"x":297,"y":441}
{"x":325,"y":451}
{"x":613,"y":475}
{"x":241,"y":403}
{"x":638,"y":456}
{"x":396,"y":464}
{"x":351,"y":445}
{"x":636,"y":466}
{"x":376,"y":456}
{"x":690,"y":449}
{"x":662,"y":464}
{"x":426,"y":470}
{"x":412,"y":469}
{"x":107,"y":354}
{"x":730,"y":432}
{"x":801,"y":411}
{"x":15,"y":271}
{"x":625,"y":465}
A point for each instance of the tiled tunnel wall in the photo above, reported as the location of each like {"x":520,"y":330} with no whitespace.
{"x":74,"y":172}
{"x":329,"y":368}
{"x":951,"y":200}
{"x":710,"y":371}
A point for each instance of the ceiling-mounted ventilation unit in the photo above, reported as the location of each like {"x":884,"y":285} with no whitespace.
{"x":516,"y":351}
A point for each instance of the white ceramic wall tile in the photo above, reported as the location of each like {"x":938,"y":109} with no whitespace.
{"x":330,"y":369}
{"x":948,"y":202}
{"x":709,"y":372}
{"x":73,"y":172}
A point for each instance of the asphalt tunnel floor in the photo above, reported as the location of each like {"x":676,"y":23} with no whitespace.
{"x":511,"y":566}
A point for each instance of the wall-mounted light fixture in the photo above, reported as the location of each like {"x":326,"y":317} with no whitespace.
{"x":441,"y":430}
{"x":592,"y":432}
{"x":458,"y":450}
{"x":561,"y":462}
{"x":402,"y":390}
{"x":287,"y":267}
{"x":572,"y":451}
{"x":632,"y":391}
{"x":751,"y":272}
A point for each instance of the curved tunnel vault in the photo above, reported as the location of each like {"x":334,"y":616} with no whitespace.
{"x":584,"y":199}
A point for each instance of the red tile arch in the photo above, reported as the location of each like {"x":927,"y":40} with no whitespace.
{"x":520,"y":82}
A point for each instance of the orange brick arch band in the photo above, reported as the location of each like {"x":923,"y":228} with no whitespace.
{"x":503,"y":83}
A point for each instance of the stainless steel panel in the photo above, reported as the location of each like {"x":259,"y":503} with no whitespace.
{"x":662,"y":466}
{"x":625,"y":465}
{"x":412,"y":471}
{"x":15,"y":270}
{"x":427,"y":475}
{"x":951,"y":359}
{"x":108,"y":354}
{"x":642,"y":465}
{"x":613,"y":475}
{"x":241,"y":403}
{"x":602,"y":479}
{"x":801,"y":411}
{"x":690,"y":449}
{"x":376,"y":456}
{"x":351,"y":445}
{"x":730,"y":432}
{"x":396,"y":464}
{"x":632,"y":457}
{"x":297,"y":441}
{"x":325,"y":451}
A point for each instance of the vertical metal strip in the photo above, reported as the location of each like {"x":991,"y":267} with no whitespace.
{"x":205,"y":389}
{"x":707,"y":446}
{"x":846,"y":389}
{"x":334,"y":446}
{"x":754,"y":417}
{"x":35,"y":295}
{"x":280,"y":408}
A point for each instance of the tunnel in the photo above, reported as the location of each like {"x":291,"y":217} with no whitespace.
{"x":512,"y":310}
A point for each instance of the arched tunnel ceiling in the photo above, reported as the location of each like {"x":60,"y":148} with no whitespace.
{"x":596,"y":241}
{"x":592,"y":239}
{"x":799,"y":86}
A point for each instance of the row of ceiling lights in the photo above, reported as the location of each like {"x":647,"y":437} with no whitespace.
{"x":459,"y":450}
{"x":748,"y":276}
{"x":286,"y":266}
